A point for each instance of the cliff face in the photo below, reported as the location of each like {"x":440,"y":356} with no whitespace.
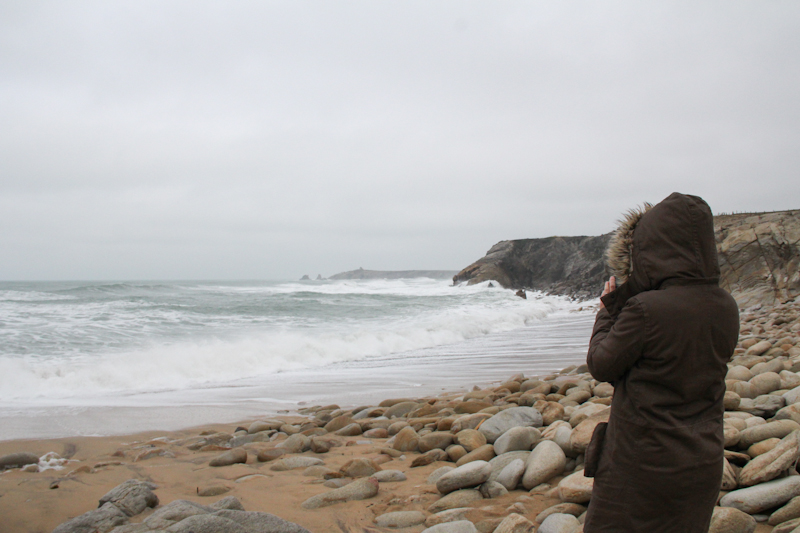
{"x":759,"y":257}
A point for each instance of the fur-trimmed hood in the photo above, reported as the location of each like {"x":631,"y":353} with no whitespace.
{"x":673,"y":240}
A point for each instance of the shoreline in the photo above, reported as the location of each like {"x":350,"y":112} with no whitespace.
{"x":410,"y":437}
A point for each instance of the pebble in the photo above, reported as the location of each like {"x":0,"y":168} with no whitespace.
{"x":460,"y":526}
{"x":764,"y":496}
{"x":468,"y":475}
{"x":400,"y":519}
{"x":559,"y":523}
{"x":498,"y":424}
{"x":546,"y":461}
{"x":459,"y":498}
{"x":518,"y":438}
{"x":237,"y":455}
{"x":361,"y":489}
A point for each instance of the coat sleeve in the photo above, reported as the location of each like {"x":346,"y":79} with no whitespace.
{"x":616,"y":345}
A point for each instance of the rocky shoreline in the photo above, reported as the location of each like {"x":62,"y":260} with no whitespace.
{"x":503,"y":458}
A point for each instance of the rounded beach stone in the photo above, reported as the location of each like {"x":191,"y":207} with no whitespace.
{"x":350,"y":430}
{"x":456,"y":499}
{"x":492,"y":489}
{"x":470,"y":439}
{"x":18,"y":460}
{"x":744,"y":389}
{"x":213,"y":490}
{"x":762,"y":447}
{"x":559,"y":523}
{"x":237,"y":455}
{"x":739,"y":373}
{"x":297,"y":443}
{"x":261,"y":425}
{"x":789,"y":526}
{"x":515,"y":523}
{"x":730,"y":520}
{"x":131,"y":497}
{"x":400,"y":519}
{"x":471,"y":406}
{"x":545,"y":461}
{"x":583,"y":412}
{"x":438,"y":473}
{"x":290,"y":463}
{"x":429,"y":457}
{"x":753,"y":500}
{"x":359,"y":467}
{"x":360,"y":489}
{"x":389,"y":476}
{"x":582,"y":433}
{"x":401,"y":409}
{"x":731,"y":401}
{"x":771,"y":464}
{"x":338,"y":423}
{"x":269,"y":454}
{"x":406,"y":440}
{"x":456,"y":452}
{"x":788,"y":512}
{"x":459,"y":526}
{"x":575,"y":509}
{"x":468,"y":475}
{"x":518,"y":438}
{"x":377,"y":433}
{"x":509,"y":418}
{"x":575,"y":488}
{"x":759,"y":348}
{"x":511,"y":474}
{"x":501,"y":461}
{"x":469,"y":422}
{"x":484,"y":453}
{"x":437,"y":439}
{"x":778,"y":428}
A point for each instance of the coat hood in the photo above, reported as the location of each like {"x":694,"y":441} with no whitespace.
{"x":670,"y":242}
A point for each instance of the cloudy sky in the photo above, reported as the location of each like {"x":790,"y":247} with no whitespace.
{"x":266,"y":140}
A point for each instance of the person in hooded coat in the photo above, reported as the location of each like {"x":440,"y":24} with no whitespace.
{"x":663,"y":339}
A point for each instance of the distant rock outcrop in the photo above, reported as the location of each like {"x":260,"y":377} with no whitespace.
{"x":394,"y":274}
{"x":759,"y":255}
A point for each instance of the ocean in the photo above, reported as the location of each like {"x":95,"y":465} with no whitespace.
{"x":103,"y":358}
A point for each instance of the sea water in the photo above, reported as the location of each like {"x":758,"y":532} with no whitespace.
{"x":98,"y":358}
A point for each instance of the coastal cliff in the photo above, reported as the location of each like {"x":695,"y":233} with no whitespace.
{"x":759,"y":255}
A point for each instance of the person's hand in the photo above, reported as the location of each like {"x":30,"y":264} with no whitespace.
{"x":610,"y":286}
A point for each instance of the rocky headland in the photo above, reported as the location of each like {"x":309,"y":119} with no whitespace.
{"x":759,"y":255}
{"x":394,"y":274}
{"x":501,"y":458}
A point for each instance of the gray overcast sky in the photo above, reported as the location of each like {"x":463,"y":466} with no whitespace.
{"x":180,"y":140}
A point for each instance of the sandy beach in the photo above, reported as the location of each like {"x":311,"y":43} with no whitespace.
{"x":402,"y":442}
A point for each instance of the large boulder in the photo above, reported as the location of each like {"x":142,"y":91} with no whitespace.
{"x":131,"y":497}
{"x":101,"y":520}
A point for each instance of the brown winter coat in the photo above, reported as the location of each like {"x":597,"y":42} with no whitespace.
{"x":663,"y":340}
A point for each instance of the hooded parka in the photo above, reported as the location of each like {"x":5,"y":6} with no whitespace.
{"x":663,"y":339}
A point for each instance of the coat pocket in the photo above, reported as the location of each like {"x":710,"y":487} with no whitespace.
{"x":594,"y":450}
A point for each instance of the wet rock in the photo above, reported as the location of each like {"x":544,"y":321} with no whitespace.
{"x":237,"y":455}
{"x":515,"y":523}
{"x":460,"y":526}
{"x":468,"y":475}
{"x":764,"y":496}
{"x":361,"y":489}
{"x":575,"y":488}
{"x":400,"y":519}
{"x":730,"y":520}
{"x":459,"y":498}
{"x":545,"y":461}
{"x":131,"y":497}
{"x":559,"y":523}
{"x":769,"y":465}
{"x":106,"y":518}
{"x":18,"y":460}
{"x":359,"y":467}
{"x":518,"y":438}
{"x":290,"y":463}
{"x":498,"y":424}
